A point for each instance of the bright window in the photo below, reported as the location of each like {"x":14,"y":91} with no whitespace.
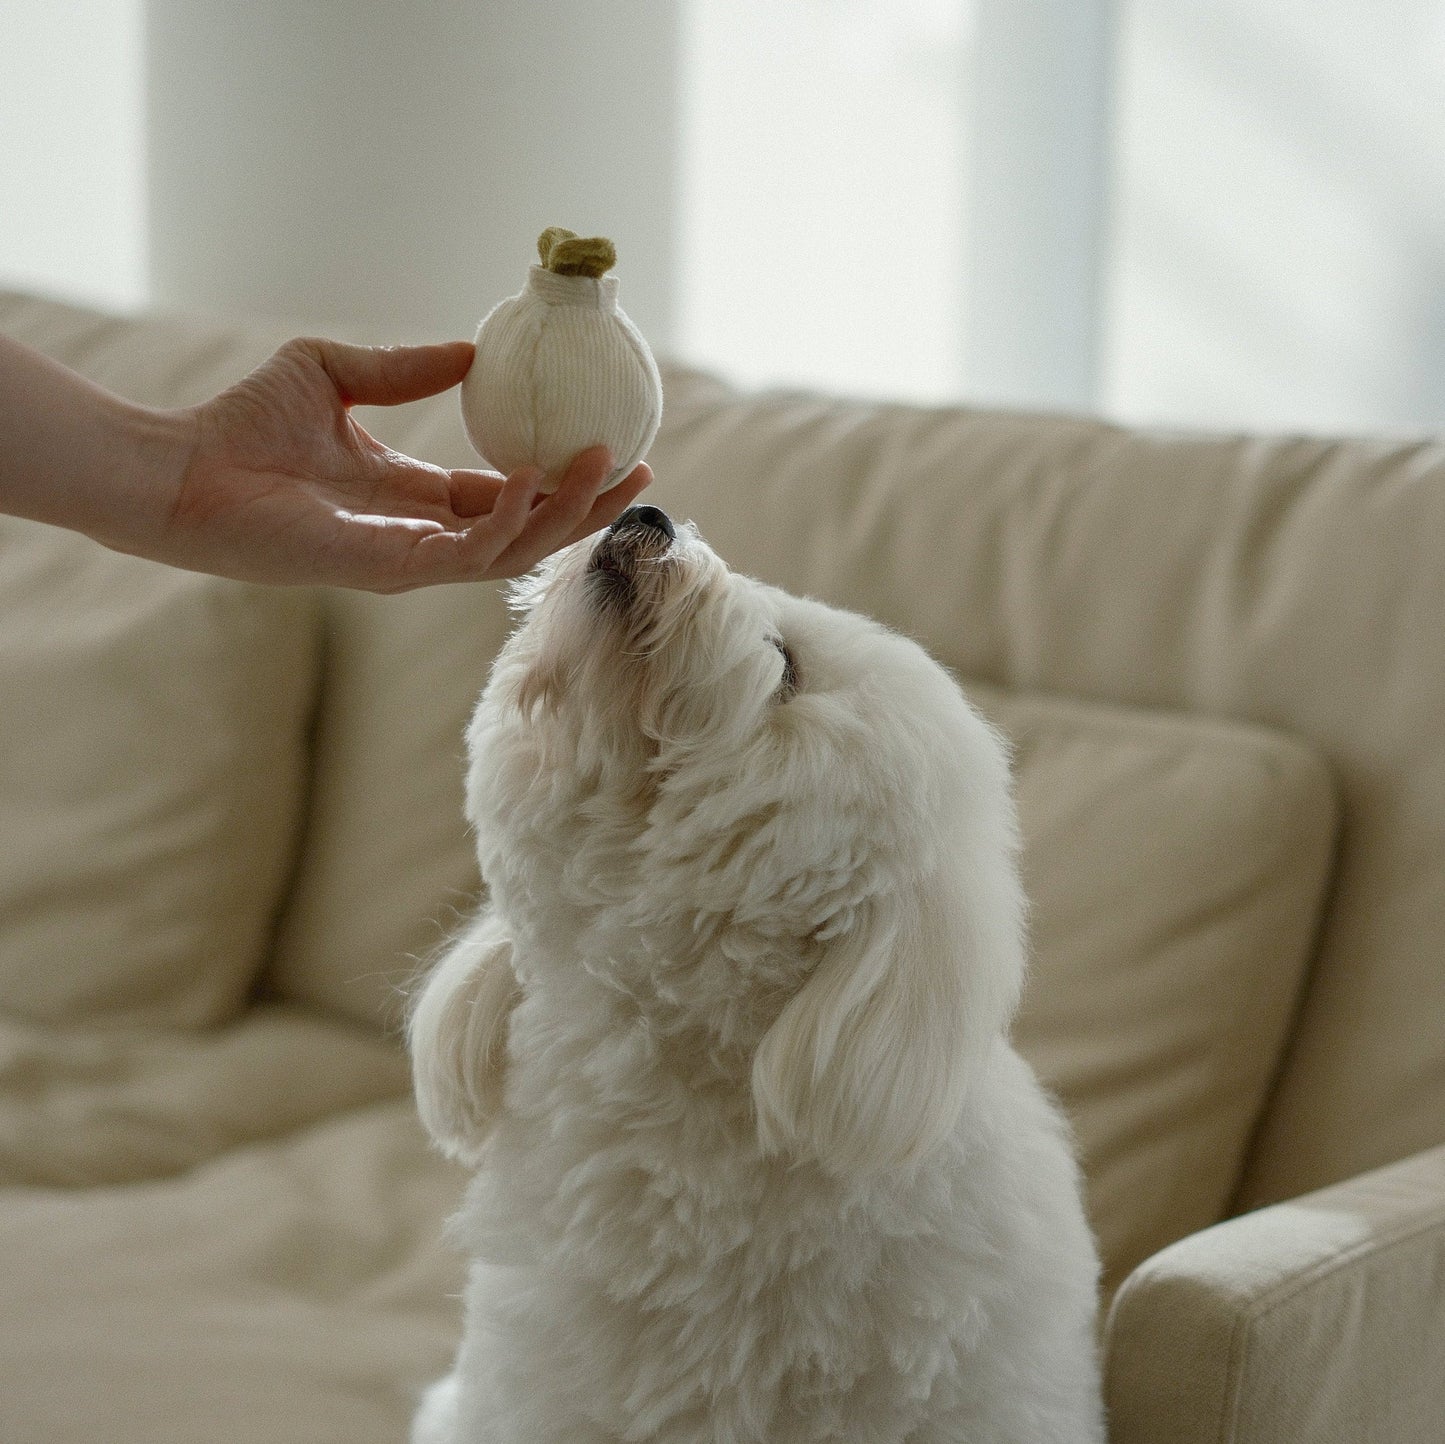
{"x":1271,"y":206}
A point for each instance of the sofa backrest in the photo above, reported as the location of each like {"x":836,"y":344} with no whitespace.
{"x":1287,"y":582}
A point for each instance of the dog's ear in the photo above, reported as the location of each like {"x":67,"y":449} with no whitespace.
{"x":457,"y":1034}
{"x":867,"y":1064}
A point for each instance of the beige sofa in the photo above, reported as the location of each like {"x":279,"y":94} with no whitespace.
{"x":230,"y":827}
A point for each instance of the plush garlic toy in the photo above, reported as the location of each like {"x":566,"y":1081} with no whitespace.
{"x":559,"y":368}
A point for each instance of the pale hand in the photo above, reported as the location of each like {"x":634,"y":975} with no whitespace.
{"x":280,"y":484}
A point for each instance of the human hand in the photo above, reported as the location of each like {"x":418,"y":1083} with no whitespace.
{"x":278,"y":483}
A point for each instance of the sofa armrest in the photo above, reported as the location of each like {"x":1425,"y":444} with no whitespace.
{"x":1321,"y":1319}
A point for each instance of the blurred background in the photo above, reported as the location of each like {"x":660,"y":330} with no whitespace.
{"x":1219,"y":213}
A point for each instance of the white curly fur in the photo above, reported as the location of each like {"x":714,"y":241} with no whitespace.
{"x":728,"y":1045}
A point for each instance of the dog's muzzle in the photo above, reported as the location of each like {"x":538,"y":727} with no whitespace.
{"x":644,"y":520}
{"x":642,"y":534}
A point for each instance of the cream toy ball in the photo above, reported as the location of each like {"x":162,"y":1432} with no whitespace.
{"x":559,"y":367}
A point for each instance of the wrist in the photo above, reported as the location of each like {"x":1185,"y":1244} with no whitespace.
{"x":154,"y":449}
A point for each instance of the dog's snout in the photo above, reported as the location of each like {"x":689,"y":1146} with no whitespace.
{"x":645,"y":518}
{"x":635,"y":545}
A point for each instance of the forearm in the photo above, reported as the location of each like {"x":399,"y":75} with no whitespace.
{"x":272,"y":481}
{"x":78,"y":456}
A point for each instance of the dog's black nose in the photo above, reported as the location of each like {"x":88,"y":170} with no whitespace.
{"x":645,"y":518}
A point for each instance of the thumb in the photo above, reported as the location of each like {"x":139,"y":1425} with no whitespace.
{"x":388,"y":375}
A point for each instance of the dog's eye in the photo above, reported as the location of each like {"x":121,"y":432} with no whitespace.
{"x":788,"y":687}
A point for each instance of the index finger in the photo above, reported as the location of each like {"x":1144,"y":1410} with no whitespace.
{"x":555,"y":519}
{"x":613,"y":502}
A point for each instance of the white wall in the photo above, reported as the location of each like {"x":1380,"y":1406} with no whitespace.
{"x":1275,"y":255}
{"x":385,"y":168}
{"x":1279,"y":238}
{"x":1040,"y":92}
{"x":72,"y":176}
{"x":823,"y":205}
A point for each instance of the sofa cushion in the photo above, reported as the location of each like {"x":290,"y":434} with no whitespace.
{"x":152,"y":781}
{"x":388,"y":869}
{"x":1176,"y":868}
{"x":287,"y":1293}
{"x":82,"y":1107}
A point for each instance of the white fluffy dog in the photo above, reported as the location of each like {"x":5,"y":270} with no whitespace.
{"x":728,"y":1045}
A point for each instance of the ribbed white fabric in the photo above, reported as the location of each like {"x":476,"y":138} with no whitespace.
{"x":559,"y":368}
